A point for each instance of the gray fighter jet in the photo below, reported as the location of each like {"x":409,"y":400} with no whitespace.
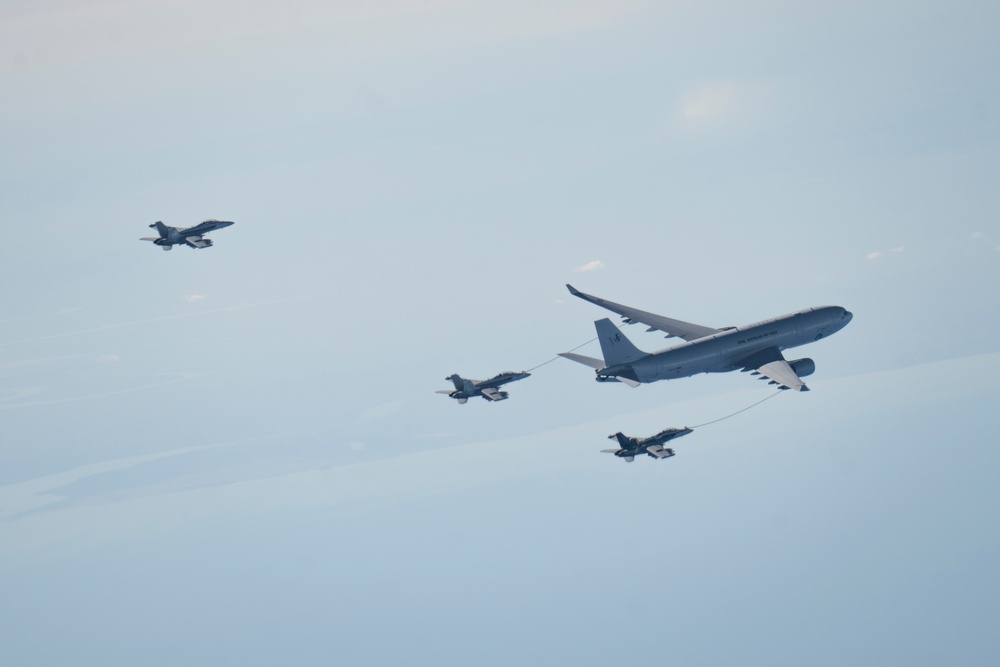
{"x":653,"y":445}
{"x":488,"y":389}
{"x":754,"y":348}
{"x":192,"y":236}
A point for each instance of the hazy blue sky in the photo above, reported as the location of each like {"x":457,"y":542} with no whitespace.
{"x":236,"y":455}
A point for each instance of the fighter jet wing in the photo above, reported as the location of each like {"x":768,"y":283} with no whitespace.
{"x":771,"y":364}
{"x":197,"y":241}
{"x":659,"y":452}
{"x":491,"y":394}
{"x":671,"y":327}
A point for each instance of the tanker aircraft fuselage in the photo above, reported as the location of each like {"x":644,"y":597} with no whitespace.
{"x":756,"y":347}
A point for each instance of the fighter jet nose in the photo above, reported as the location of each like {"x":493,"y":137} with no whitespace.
{"x":848,"y":315}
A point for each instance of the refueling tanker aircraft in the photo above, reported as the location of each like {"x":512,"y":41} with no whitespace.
{"x":754,"y":348}
{"x":629,"y":448}
{"x":192,"y":236}
{"x":488,"y":389}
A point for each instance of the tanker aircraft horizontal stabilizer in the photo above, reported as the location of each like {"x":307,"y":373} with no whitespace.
{"x":755,"y":348}
{"x":488,"y":389}
{"x":192,"y":236}
{"x":629,"y":448}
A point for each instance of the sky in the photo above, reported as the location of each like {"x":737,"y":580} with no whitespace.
{"x":236,"y":454}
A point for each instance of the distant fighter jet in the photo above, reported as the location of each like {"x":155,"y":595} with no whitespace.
{"x":755,"y":347}
{"x":488,"y":389}
{"x":171,"y":236}
{"x":653,"y":445}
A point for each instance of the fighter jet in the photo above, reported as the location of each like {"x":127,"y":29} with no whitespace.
{"x":653,"y":445}
{"x":754,"y":348}
{"x":488,"y":389}
{"x":192,"y":236}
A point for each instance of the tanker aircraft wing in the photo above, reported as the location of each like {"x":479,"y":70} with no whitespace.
{"x":781,"y":373}
{"x":771,"y":364}
{"x":670,"y":326}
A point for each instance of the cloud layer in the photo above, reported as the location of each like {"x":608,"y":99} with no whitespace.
{"x":596,"y":265}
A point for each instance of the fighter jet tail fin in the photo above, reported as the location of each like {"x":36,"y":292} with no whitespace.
{"x":616,"y":347}
{"x":622,"y":439}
